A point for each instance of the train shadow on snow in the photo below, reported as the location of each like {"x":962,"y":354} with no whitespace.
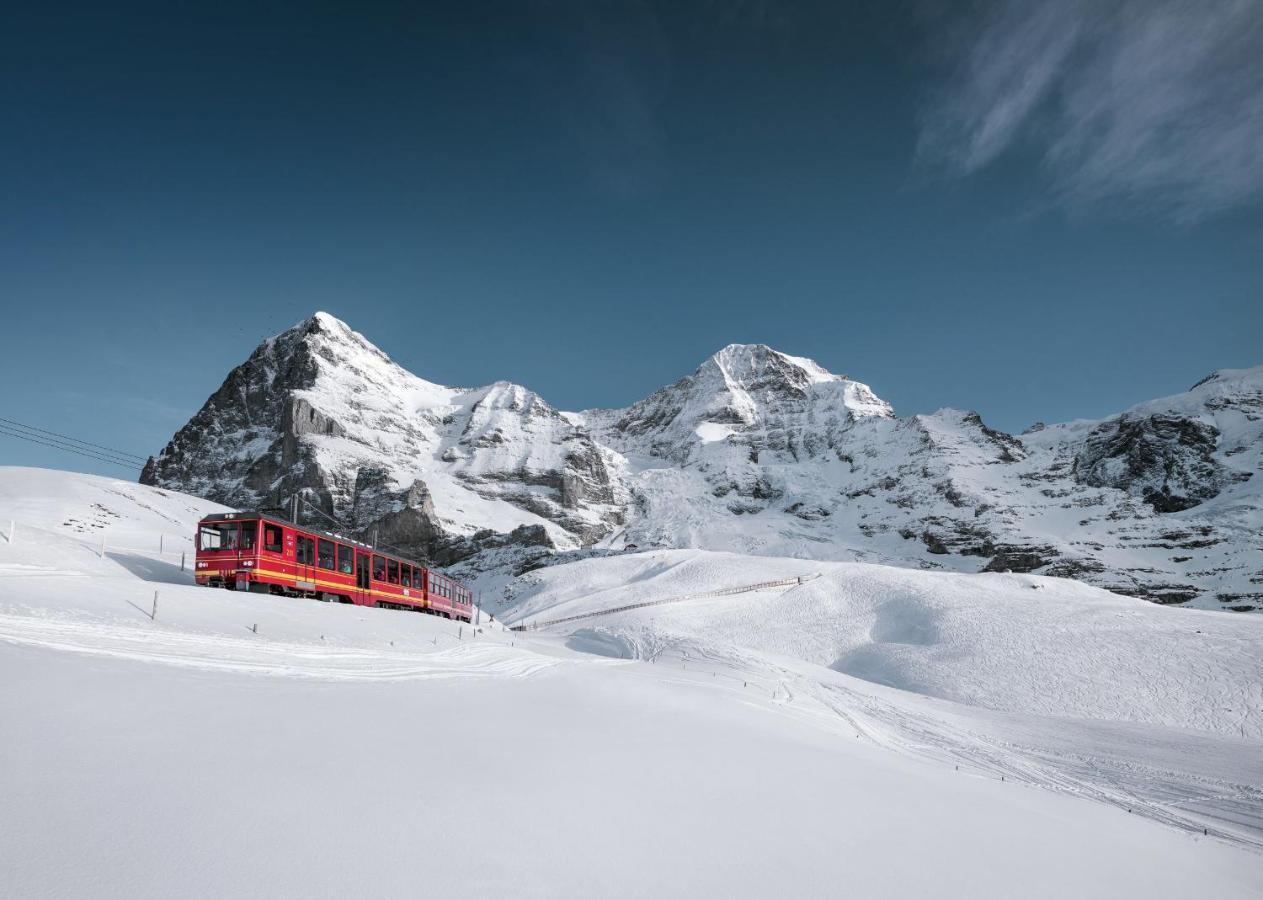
{"x":149,"y":569}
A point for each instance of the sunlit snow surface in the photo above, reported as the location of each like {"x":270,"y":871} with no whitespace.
{"x":845,"y":736}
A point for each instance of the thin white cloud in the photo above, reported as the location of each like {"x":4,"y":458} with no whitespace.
{"x":1135,"y":105}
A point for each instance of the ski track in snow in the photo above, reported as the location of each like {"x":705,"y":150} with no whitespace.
{"x":266,"y":657}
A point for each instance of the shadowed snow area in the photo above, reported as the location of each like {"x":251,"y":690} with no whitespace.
{"x":873,"y":731}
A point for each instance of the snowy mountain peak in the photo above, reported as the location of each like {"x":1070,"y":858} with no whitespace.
{"x":752,"y":363}
{"x":1254,"y":374}
{"x":758,"y":371}
{"x":334,"y":340}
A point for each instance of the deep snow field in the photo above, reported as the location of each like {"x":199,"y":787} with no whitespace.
{"x":869,"y":731}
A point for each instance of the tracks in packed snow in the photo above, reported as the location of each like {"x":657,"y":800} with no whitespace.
{"x":258,"y":656}
{"x":721,"y":592}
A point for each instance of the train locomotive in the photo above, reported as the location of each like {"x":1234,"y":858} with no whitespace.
{"x":261,"y":553}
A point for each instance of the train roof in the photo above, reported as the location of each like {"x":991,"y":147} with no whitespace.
{"x":272,"y":517}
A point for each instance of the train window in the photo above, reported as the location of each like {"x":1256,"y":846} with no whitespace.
{"x":220,"y":536}
{"x":272,"y":538}
{"x":326,"y":553}
{"x":346,"y":560}
{"x":304,"y":552}
{"x":392,"y":571}
{"x":405,"y":576}
{"x":249,"y":533}
{"x":379,"y":568}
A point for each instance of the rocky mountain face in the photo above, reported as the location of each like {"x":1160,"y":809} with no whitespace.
{"x":442,"y":472}
{"x":756,"y":452}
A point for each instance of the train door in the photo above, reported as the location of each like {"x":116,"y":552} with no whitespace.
{"x":363,"y":587}
{"x":305,"y":558}
{"x":272,"y":553}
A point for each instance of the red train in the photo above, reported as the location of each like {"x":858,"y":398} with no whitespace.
{"x":250,"y":551}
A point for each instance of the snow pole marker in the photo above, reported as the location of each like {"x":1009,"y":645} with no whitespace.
{"x":13,"y":526}
{"x":181,"y":560}
{"x":154,"y":613}
{"x":162,"y":538}
{"x":255,"y":627}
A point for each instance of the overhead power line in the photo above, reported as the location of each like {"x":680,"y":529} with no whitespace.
{"x":68,"y":449}
{"x":81,"y":448}
{"x":65,"y":438}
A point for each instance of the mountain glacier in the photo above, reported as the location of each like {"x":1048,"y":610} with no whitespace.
{"x":756,"y":452}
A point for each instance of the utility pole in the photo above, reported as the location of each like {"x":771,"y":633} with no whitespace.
{"x":295,"y":503}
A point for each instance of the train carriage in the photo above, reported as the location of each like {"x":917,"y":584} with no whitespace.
{"x":251,"y":551}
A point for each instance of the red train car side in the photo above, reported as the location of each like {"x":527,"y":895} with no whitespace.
{"x":250,"y":551}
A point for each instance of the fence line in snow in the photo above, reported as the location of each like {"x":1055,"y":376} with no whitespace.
{"x":720,"y":592}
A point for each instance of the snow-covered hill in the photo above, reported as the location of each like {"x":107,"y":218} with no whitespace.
{"x":1020,"y":643}
{"x":1006,"y":734}
{"x":756,"y":452}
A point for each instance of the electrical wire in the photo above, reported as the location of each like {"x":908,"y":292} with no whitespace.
{"x":65,"y":438}
{"x":66,"y":448}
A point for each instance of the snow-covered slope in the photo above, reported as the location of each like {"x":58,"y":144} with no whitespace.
{"x":249,"y":745}
{"x":756,"y":452}
{"x":1020,"y":643}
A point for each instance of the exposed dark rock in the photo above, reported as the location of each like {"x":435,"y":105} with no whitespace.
{"x":1020,"y":559}
{"x":1165,"y":459}
{"x":933,"y":543}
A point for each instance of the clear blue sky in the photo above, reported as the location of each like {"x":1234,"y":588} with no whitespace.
{"x":591,"y":201}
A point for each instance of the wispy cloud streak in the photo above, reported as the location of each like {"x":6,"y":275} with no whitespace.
{"x":1152,"y":106}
